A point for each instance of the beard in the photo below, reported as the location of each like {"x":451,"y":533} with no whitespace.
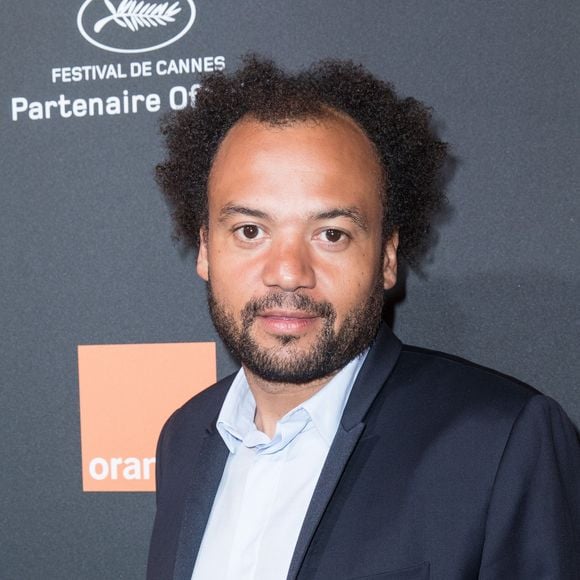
{"x":287,"y":362}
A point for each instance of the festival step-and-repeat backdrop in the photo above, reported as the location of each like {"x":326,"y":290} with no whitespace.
{"x":104,"y":322}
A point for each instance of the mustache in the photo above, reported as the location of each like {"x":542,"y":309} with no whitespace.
{"x":257,"y":306}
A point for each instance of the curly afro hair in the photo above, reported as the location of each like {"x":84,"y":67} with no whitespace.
{"x":410,"y":153}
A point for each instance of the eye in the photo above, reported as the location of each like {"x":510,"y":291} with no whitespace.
{"x":332,"y":235}
{"x":248,"y":232}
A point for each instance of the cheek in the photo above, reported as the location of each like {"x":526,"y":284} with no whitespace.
{"x":353,"y":286}
{"x":358,"y":273}
{"x":347,"y":290}
{"x":240,"y":270}
{"x":233,"y":282}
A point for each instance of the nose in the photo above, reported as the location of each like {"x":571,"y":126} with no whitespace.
{"x":289,"y":266}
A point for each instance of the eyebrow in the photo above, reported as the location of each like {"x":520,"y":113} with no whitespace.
{"x":232,"y":209}
{"x":351,"y":213}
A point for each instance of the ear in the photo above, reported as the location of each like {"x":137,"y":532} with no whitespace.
{"x":202,"y":262}
{"x":390,"y":261}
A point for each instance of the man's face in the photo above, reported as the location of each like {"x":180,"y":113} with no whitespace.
{"x":293,"y":251}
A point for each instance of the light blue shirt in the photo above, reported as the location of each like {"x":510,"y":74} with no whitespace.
{"x":267,"y":484}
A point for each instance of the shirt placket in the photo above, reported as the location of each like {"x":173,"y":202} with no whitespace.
{"x":258,"y":498}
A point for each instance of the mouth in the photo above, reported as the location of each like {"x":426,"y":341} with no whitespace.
{"x":279,"y":321}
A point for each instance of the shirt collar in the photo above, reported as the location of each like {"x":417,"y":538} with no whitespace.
{"x":327,"y":405}
{"x":324,"y":410}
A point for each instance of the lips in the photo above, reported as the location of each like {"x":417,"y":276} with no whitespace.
{"x":286,"y":321}
{"x":279,"y":313}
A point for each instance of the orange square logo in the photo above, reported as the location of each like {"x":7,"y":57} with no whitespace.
{"x":127,"y":391}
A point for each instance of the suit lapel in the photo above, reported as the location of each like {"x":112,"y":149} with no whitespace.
{"x":342,"y":447}
{"x":207,"y":475}
{"x":377,"y":367}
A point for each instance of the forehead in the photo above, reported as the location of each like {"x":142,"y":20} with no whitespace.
{"x":332,"y":150}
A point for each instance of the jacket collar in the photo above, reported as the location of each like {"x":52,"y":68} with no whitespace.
{"x":375,"y":371}
{"x":377,"y":367}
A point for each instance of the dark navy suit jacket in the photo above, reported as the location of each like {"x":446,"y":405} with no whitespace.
{"x":439,"y":469}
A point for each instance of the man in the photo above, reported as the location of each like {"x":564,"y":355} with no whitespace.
{"x":336,"y":452}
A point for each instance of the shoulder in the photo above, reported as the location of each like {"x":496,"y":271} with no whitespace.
{"x":445,"y":393}
{"x":206,"y":400}
{"x":452,"y":375}
{"x":468,"y":415}
{"x":198,"y":414}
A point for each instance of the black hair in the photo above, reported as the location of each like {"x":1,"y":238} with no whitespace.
{"x":400,"y":129}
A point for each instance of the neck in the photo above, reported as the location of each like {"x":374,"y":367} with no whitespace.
{"x":274,"y":400}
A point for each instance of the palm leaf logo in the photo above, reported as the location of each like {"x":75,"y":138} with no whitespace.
{"x":134,"y":15}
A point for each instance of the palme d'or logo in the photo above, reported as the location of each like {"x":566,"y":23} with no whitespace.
{"x":133,"y":26}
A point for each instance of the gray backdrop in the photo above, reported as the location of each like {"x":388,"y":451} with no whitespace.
{"x":87,"y":255}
